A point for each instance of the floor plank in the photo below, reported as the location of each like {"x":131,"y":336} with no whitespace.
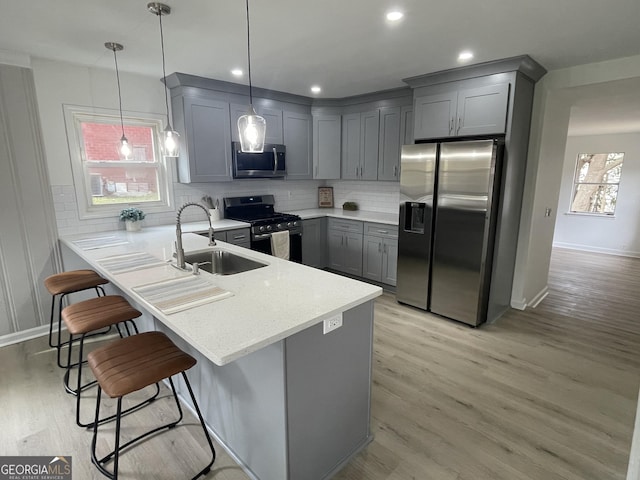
{"x":545,"y":394}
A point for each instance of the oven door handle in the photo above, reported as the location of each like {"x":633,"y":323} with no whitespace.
{"x":264,"y":236}
{"x":275,"y":160}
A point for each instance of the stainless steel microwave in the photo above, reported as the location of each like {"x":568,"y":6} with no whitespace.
{"x":268,"y":164}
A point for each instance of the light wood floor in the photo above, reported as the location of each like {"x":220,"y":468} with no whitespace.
{"x":545,"y":394}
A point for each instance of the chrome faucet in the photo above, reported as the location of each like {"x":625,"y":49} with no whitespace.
{"x":179,"y":250}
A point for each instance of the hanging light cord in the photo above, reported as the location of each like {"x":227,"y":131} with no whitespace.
{"x":115,"y":59}
{"x":164,"y":73}
{"x":249,"y":55}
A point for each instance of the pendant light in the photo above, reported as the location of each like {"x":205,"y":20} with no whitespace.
{"x":171,"y":137}
{"x":125,"y":147}
{"x":251,"y":127}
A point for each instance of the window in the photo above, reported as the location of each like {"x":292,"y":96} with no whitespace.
{"x":105,"y":181}
{"x":596,"y":182}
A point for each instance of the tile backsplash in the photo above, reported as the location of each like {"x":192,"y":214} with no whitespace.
{"x":289,"y":195}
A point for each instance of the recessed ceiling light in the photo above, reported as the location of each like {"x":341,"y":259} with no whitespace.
{"x":465,"y":55}
{"x":316,"y":89}
{"x":237,"y":72}
{"x":394,"y":15}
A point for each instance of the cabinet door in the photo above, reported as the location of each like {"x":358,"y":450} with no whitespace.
{"x":236,"y":111}
{"x":273,"y":119}
{"x":222,"y":236}
{"x":297,"y":139}
{"x":434,"y":115}
{"x":389,"y":261}
{"x":208,"y":136}
{"x":372,"y":258}
{"x":389,"y":144}
{"x":353,"y":254}
{"x":313,"y":242}
{"x":326,"y":146}
{"x":369,"y":139}
{"x":336,"y":247}
{"x":351,"y":128}
{"x":482,"y":110}
{"x":406,"y":126}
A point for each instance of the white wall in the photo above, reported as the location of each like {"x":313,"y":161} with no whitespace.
{"x":554,"y":96}
{"x":619,"y":234}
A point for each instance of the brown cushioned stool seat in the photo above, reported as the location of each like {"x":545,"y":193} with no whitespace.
{"x":88,"y":316}
{"x":63,"y":284}
{"x":131,"y":364}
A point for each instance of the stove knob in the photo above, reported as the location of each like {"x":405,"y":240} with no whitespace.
{"x":262,"y":229}
{"x":290,"y":224}
{"x":295,"y":224}
{"x":268,"y":227}
{"x":279,"y":226}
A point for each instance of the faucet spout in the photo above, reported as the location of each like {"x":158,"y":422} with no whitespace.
{"x":179,"y":250}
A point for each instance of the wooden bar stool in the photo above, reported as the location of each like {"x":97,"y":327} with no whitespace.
{"x":84,"y":317}
{"x":62,"y":284}
{"x":131,"y":364}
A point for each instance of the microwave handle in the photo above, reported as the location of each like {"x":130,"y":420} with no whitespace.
{"x":275,"y":160}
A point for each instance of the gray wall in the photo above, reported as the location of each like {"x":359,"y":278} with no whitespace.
{"x":619,"y":234}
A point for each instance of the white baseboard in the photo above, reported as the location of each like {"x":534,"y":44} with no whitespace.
{"x":522,"y":304}
{"x":24,"y":335}
{"x":589,"y":248}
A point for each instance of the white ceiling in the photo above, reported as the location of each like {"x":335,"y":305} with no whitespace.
{"x":346,"y":46}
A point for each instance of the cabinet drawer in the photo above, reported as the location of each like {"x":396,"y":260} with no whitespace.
{"x":240,"y":236}
{"x":381,"y":230}
{"x":353,"y":226}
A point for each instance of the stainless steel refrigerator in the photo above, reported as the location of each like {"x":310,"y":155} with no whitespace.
{"x":448,"y":208}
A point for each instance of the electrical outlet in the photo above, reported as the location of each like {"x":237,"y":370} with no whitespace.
{"x":332,"y":323}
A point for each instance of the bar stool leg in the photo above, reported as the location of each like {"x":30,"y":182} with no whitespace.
{"x":99,"y":463}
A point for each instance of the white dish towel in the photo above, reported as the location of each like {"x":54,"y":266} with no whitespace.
{"x":280,"y":245}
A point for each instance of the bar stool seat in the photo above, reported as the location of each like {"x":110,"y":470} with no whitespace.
{"x":84,"y":317}
{"x":131,"y":364}
{"x":63,"y":284}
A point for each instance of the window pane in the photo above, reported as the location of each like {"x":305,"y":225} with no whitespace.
{"x":595,"y":199}
{"x":102,"y":141}
{"x":599,"y":167}
{"x":123,"y":184}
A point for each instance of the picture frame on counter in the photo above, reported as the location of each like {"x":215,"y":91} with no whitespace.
{"x":325,"y":197}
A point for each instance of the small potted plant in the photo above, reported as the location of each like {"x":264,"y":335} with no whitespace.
{"x":132,"y":217}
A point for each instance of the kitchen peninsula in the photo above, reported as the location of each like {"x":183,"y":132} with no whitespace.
{"x":285,"y":399}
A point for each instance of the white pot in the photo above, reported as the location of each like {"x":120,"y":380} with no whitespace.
{"x":132,"y":226}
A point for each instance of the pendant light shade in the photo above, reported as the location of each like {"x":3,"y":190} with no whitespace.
{"x":171,"y":138}
{"x":251,"y":127}
{"x":124,"y":148}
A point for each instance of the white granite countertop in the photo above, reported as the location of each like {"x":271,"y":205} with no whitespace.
{"x":361,"y":215}
{"x":218,"y":226}
{"x":268,"y":304}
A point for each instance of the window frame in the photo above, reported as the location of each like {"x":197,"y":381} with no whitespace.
{"x":74,"y":116}
{"x":576,"y":183}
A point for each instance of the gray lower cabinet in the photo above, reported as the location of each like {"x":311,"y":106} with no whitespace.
{"x":298,"y":131}
{"x":462,"y":112}
{"x":314,"y":242}
{"x":380,"y":255}
{"x":205,"y":147}
{"x":360,"y":134}
{"x":344,"y":238}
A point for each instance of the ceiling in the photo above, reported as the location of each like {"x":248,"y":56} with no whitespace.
{"x":347,"y":47}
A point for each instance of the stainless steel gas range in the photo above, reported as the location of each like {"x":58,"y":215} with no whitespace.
{"x":259,"y":211}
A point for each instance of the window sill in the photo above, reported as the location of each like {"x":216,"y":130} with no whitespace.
{"x":592,"y":215}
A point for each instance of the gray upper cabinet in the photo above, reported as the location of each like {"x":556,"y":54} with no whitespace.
{"x":434,"y":115}
{"x":389,"y":143}
{"x":273,"y":119}
{"x":360,"y":145}
{"x":326,"y":146}
{"x":482,"y":110}
{"x":471,"y":111}
{"x":406,"y":125}
{"x":204,"y":124}
{"x":298,"y":131}
{"x":237,"y":111}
